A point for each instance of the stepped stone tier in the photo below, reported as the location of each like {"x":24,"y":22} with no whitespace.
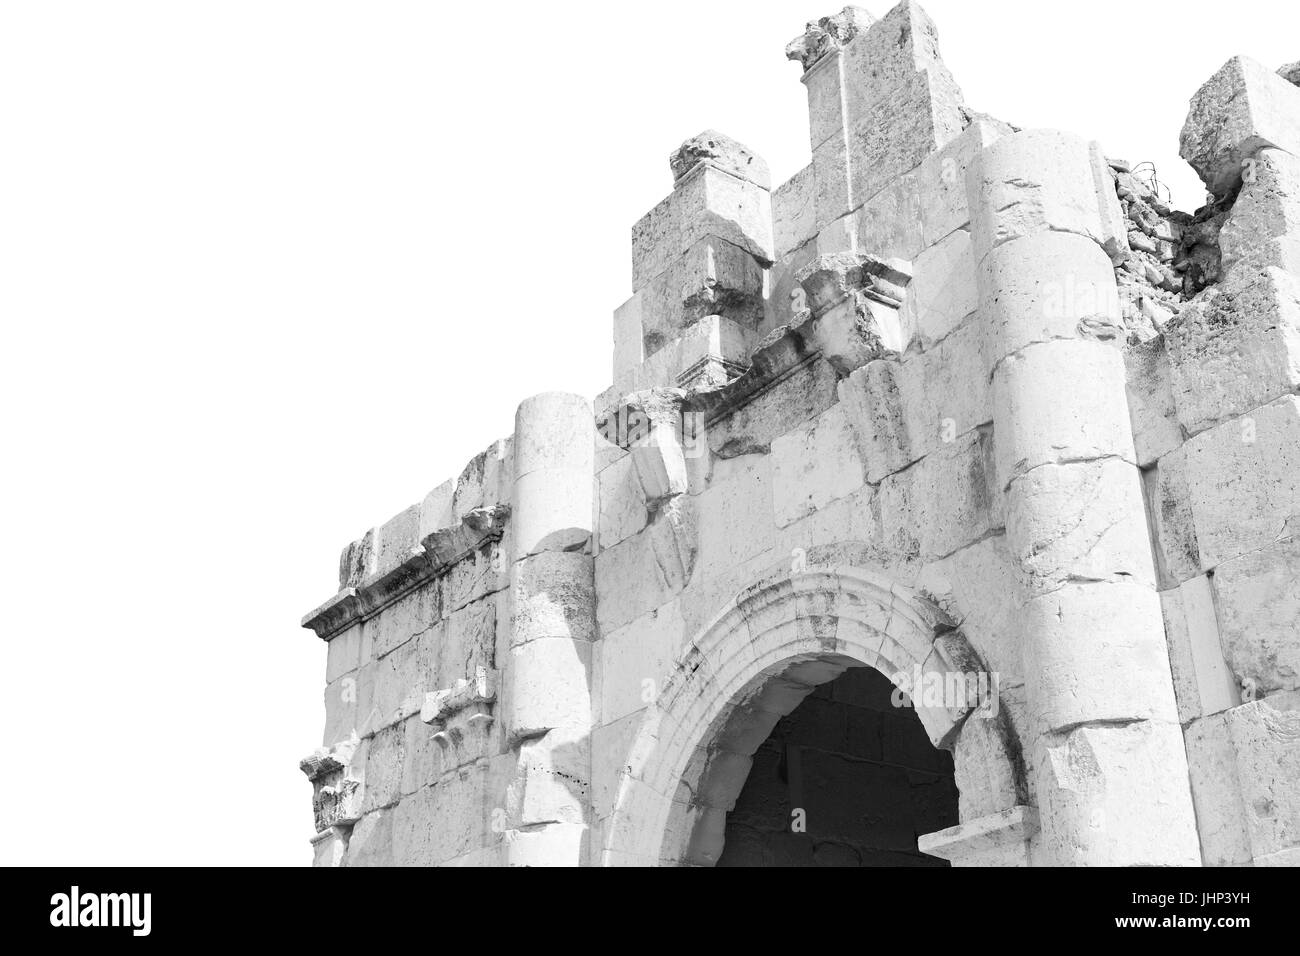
{"x":944,"y":508}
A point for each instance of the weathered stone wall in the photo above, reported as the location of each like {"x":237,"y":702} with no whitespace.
{"x":960,"y":403}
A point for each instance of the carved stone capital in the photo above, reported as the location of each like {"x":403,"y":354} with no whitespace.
{"x":336,"y":786}
{"x":719,"y":150}
{"x":442,"y":705}
{"x":827,"y":35}
{"x":854,"y":300}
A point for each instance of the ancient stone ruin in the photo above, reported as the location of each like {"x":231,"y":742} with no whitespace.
{"x":945,"y":507}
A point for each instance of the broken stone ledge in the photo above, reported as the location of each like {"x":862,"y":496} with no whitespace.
{"x":432,"y":558}
{"x":999,"y":839}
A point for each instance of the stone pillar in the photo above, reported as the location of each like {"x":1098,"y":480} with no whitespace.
{"x":698,"y":261}
{"x":1102,"y":741}
{"x":880,"y":100}
{"x":553,"y":623}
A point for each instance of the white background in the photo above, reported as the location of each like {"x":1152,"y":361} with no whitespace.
{"x":269,"y":271}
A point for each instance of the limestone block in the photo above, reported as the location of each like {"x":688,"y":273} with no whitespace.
{"x":1044,"y":289}
{"x":902,"y":102}
{"x":1079,"y":521}
{"x":804,"y":392}
{"x":406,"y":617}
{"x":1263,"y":228}
{"x":559,"y":844}
{"x":656,"y":241}
{"x":553,"y":596}
{"x":943,"y":502}
{"x":1203,"y":683}
{"x":1244,"y":483}
{"x":611,"y":747}
{"x":371,"y":842}
{"x":436,"y":509}
{"x":997,"y":839}
{"x":786,"y":298}
{"x":713,"y":277}
{"x":1259,"y":607}
{"x":1096,"y":652}
{"x":1265,"y":735}
{"x":854,"y":301}
{"x":715,"y":203}
{"x":342,"y":699}
{"x":629,"y":582}
{"x":552,"y":430}
{"x":736,"y":517}
{"x":979,"y":586}
{"x":832,"y":191}
{"x":622,"y":510}
{"x":794,"y":212}
{"x":942,"y":292}
{"x":660,"y":462}
{"x":468,"y":642}
{"x":397,"y":685}
{"x":424,"y":759}
{"x":814,"y":465}
{"x":1151,"y":400}
{"x":396,"y":537}
{"x":1216,"y":793}
{"x":628,"y":332}
{"x":1242,"y":109}
{"x":456,"y":808}
{"x":344,"y":653}
{"x":982,"y":755}
{"x":357,"y":561}
{"x":1235,"y":347}
{"x":485,"y":481}
{"x":711,"y":341}
{"x":551,"y":781}
{"x":552,"y":510}
{"x":873,"y":404}
{"x":482,"y":572}
{"x":1123,"y":784}
{"x":941,"y":179}
{"x":902,"y":410}
{"x":838,"y":236}
{"x":1039,"y":180}
{"x":1177,"y":553}
{"x":888,"y":222}
{"x":385,"y":760}
{"x":721,"y":151}
{"x":636,"y":659}
{"x":549,"y":682}
{"x":1089,"y":423}
{"x":824,"y":82}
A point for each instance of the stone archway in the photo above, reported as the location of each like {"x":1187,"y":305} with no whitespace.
{"x":754,"y":663}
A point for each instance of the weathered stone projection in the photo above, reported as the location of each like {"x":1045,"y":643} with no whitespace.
{"x":553,"y":624}
{"x":697,"y":270}
{"x":1104,"y":745}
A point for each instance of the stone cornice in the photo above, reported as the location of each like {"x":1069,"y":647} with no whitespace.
{"x":430,"y":559}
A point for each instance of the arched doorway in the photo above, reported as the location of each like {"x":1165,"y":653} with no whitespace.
{"x":755,"y":663}
{"x":847,"y":778}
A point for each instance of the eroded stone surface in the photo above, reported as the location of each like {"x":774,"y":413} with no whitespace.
{"x":956,"y":401}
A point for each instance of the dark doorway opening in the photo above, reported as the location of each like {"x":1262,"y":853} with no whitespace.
{"x":862,"y":772}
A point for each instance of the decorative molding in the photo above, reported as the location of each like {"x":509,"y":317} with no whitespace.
{"x":430,"y":559}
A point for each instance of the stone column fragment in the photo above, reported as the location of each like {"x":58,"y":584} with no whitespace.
{"x":1103,"y":742}
{"x":547,"y":702}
